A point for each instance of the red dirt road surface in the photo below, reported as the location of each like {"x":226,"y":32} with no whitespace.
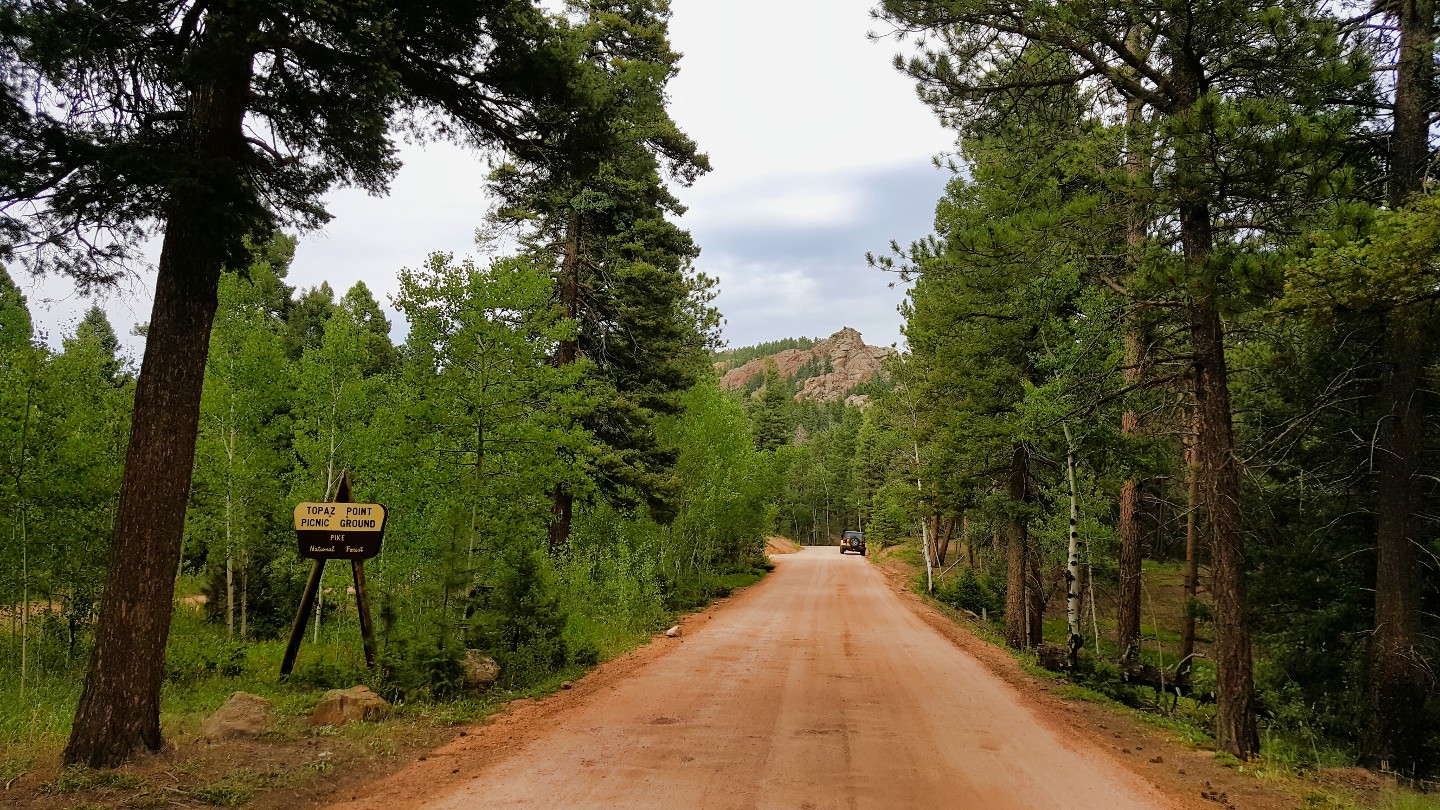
{"x":817,"y":688}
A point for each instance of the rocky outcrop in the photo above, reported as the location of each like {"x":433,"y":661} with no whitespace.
{"x":242,"y":715}
{"x":843,"y":359}
{"x":481,"y":671}
{"x":341,"y":706}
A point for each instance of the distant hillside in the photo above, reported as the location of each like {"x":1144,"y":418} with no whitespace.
{"x":727,"y":359}
{"x":824,"y":371}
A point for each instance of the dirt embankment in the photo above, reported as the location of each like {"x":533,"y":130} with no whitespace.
{"x":780,"y":545}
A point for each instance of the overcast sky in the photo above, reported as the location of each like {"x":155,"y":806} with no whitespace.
{"x":821,"y":152}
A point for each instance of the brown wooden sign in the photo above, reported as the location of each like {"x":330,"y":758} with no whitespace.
{"x":339,"y":531}
{"x":336,"y":529}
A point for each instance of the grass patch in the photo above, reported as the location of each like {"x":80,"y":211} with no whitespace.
{"x":741,"y":580}
{"x":239,"y":786}
{"x":1389,"y":799}
{"x":1406,"y":800}
{"x":12,"y":769}
{"x":73,"y":780}
{"x":37,"y":720}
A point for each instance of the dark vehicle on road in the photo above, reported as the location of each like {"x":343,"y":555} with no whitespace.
{"x":852,"y":541}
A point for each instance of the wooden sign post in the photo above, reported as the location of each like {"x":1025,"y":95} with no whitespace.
{"x":337,"y":530}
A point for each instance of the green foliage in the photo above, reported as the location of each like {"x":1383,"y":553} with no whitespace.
{"x":734,"y":358}
{"x":64,"y":420}
{"x":332,"y":118}
{"x":602,"y":218}
{"x":15,"y":327}
{"x":189,"y":660}
{"x":773,"y":426}
{"x":524,"y":624}
{"x":1107,"y":190}
{"x":236,"y":523}
{"x":322,"y":674}
{"x":974,"y":592}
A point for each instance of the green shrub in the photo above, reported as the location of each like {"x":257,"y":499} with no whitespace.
{"x":524,"y":625}
{"x":585,"y":654}
{"x":325,"y":675}
{"x":973,"y":592}
{"x":412,"y":670}
{"x":189,"y":659}
{"x":442,"y":670}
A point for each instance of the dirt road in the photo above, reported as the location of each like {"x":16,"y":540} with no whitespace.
{"x":817,"y":688}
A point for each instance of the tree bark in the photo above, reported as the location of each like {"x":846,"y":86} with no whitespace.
{"x":1192,"y":561}
{"x":1127,"y":628}
{"x":1034,"y":600}
{"x":1017,"y":630}
{"x":1395,"y":736}
{"x":926,"y":555}
{"x":1127,"y":625}
{"x":966,"y":543}
{"x":119,"y":709}
{"x":562,"y":510}
{"x":1072,"y":558}
{"x":942,"y":545}
{"x":1235,"y":727}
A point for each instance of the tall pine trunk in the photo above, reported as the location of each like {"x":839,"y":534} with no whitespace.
{"x":1395,"y":735}
{"x":1235,"y":723}
{"x":1192,"y":560}
{"x":1235,"y":727}
{"x":563,"y":506}
{"x":1127,"y":628}
{"x":1017,"y":631}
{"x":1127,"y":625}
{"x":119,"y":709}
{"x":1398,"y":677}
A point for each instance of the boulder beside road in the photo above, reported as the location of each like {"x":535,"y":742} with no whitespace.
{"x":341,"y":706}
{"x":481,"y":671}
{"x":242,"y":715}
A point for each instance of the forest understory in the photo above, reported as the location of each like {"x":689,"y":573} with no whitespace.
{"x":1165,"y":739}
{"x":292,"y":765}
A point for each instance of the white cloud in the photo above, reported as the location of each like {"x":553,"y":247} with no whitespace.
{"x":777,"y":205}
{"x":776,"y":87}
{"x":820,"y":151}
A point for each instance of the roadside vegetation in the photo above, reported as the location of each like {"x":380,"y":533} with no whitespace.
{"x":1167,"y":413}
{"x":1167,"y":417}
{"x":562,"y":473}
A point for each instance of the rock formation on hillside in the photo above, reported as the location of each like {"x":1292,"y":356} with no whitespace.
{"x":850,"y":363}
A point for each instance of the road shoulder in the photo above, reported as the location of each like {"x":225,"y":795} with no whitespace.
{"x":451,"y":766}
{"x":1190,"y":776}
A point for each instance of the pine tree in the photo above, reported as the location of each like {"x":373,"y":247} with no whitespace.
{"x":15,"y":326}
{"x":622,"y":266}
{"x":129,"y":116}
{"x":305,"y":318}
{"x":1398,"y":672}
{"x":95,"y":328}
{"x":1242,"y":101}
{"x":770,"y":414}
